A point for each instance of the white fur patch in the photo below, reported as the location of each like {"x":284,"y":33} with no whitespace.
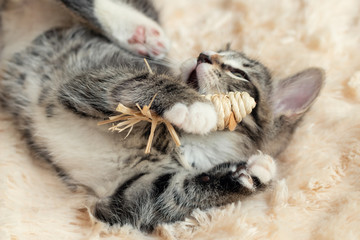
{"x":206,"y":152}
{"x":198,"y":118}
{"x":177,"y":114}
{"x":121,"y":21}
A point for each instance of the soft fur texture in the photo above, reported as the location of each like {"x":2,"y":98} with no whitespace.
{"x":317,"y":192}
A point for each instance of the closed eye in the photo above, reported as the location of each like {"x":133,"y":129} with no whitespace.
{"x":239,"y":73}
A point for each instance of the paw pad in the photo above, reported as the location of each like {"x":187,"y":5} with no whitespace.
{"x":139,"y":36}
{"x":149,"y":42}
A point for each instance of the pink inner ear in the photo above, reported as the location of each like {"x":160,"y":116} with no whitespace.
{"x":294,"y":95}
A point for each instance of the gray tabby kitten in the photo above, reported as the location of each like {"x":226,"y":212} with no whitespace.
{"x":69,"y":79}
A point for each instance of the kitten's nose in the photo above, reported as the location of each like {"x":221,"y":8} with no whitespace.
{"x":210,"y":57}
{"x":204,"y":58}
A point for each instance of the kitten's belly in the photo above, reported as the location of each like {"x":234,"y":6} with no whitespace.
{"x":204,"y":152}
{"x":87,"y":155}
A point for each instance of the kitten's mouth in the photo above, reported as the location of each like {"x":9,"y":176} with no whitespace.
{"x":193,"y":80}
{"x":192,"y":69}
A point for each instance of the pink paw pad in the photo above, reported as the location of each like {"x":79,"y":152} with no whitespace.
{"x":139,"y":36}
{"x":148,"y":42}
{"x":160,"y":44}
{"x":142,"y":52}
{"x":155,"y":32}
{"x":155,"y":52}
{"x":159,"y":49}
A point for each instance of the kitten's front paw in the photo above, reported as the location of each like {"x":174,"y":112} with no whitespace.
{"x":241,"y":175}
{"x":262,"y":166}
{"x":198,"y":118}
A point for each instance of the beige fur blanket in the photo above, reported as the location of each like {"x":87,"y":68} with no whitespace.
{"x":317,"y":191}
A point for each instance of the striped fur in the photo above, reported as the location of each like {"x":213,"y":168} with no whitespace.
{"x":68,"y":79}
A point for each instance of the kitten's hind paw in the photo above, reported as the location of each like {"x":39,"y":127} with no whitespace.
{"x":149,"y":41}
{"x":198,"y":118}
{"x":131,"y":29}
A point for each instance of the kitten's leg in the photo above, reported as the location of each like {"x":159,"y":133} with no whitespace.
{"x":223,"y":184}
{"x":173,"y":196}
{"x":97,"y":94}
{"x":228,"y":182}
{"x":131,"y":25}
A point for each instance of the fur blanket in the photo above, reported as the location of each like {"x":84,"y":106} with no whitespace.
{"x":317,"y":191}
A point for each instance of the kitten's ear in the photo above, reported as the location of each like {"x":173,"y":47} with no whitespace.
{"x":294,"y":95}
{"x":227,"y":47}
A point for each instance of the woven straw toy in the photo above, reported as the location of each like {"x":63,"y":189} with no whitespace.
{"x":231,"y":108}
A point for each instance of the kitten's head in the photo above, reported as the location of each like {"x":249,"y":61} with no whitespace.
{"x":225,"y":71}
{"x":280,"y":104}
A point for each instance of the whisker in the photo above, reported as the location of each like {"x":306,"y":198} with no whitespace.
{"x":160,"y":62}
{"x":165,"y":62}
{"x":218,"y":89}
